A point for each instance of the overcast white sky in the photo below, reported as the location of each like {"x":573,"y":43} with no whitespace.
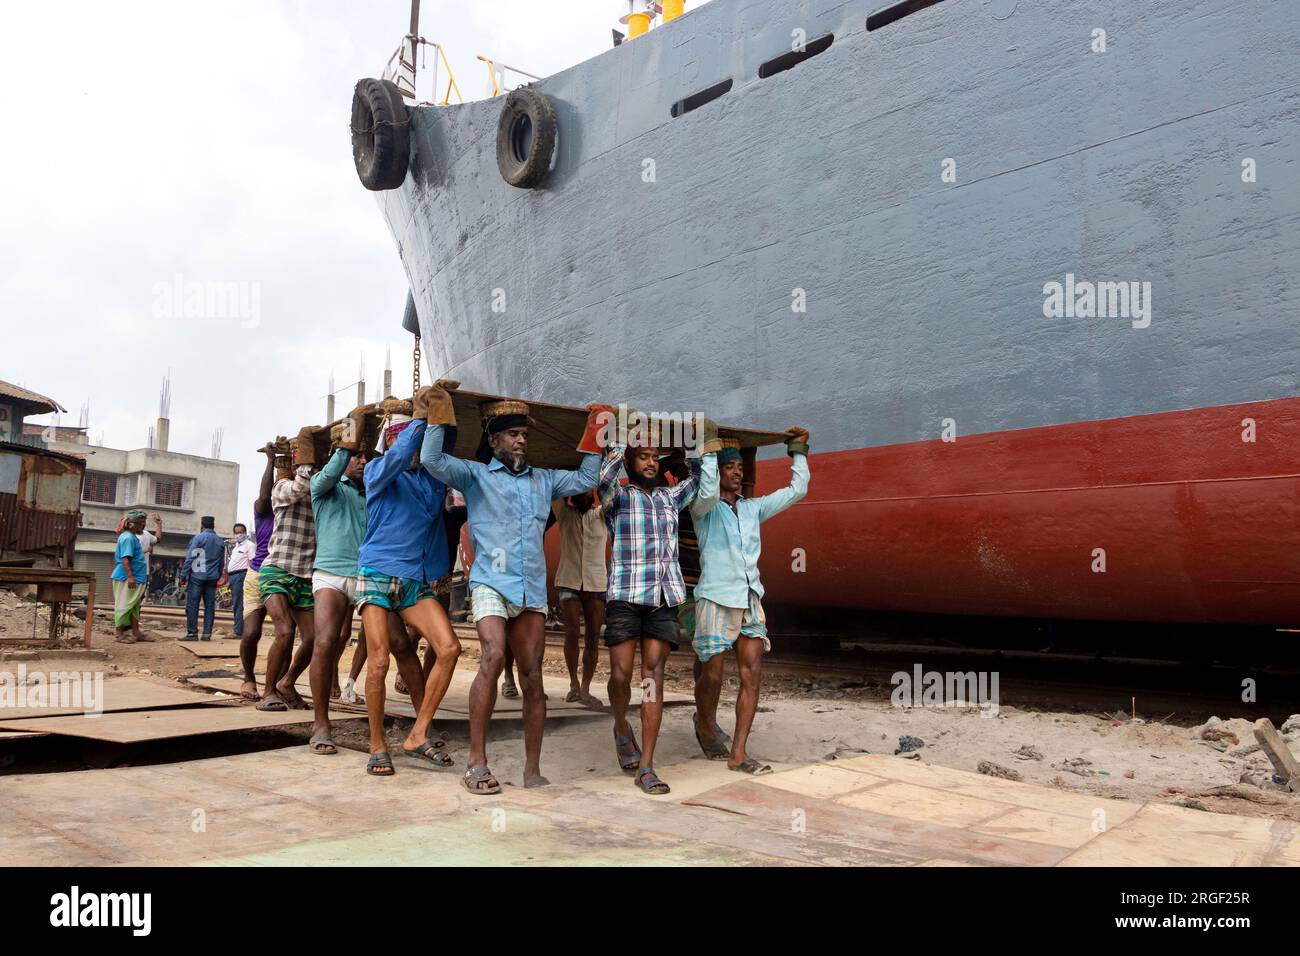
{"x":150,"y":140}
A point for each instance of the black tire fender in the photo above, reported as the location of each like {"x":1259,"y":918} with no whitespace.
{"x":526,"y":138}
{"x":381,"y":134}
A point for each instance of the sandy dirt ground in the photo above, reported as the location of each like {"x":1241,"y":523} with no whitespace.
{"x":802,"y":720}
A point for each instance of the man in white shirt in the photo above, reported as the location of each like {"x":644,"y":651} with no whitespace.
{"x":237,"y":565}
{"x":148,"y":540}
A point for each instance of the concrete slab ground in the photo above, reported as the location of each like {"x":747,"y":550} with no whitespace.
{"x":290,"y":807}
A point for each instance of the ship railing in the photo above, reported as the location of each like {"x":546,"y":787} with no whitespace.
{"x":401,"y":67}
{"x":497,"y":75}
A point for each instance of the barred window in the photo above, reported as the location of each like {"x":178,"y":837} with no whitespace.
{"x":168,"y":491}
{"x":99,"y":487}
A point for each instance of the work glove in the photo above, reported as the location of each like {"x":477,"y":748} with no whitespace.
{"x":711,"y":443}
{"x":304,"y":446}
{"x":433,"y":402}
{"x":353,"y":428}
{"x":796,"y":442}
{"x":600,"y":419}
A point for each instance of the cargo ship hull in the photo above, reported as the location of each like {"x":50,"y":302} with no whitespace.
{"x":866,"y":244}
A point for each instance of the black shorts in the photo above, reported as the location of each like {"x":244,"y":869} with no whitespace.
{"x":625,"y":621}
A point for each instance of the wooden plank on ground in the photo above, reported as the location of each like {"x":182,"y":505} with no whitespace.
{"x":138,"y":726}
{"x":1284,"y":762}
{"x":120,"y":693}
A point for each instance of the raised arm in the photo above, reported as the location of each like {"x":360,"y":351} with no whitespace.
{"x":773,"y":504}
{"x":323,"y":482}
{"x":286,"y":493}
{"x":262,"y":506}
{"x":436,"y":458}
{"x":684,"y":492}
{"x":607,"y":486}
{"x":382,"y":471}
{"x":576,"y":482}
{"x":707,"y":495}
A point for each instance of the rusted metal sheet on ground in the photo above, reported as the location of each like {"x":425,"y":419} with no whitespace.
{"x":119,"y":694}
{"x":137,"y":726}
{"x":914,"y":841}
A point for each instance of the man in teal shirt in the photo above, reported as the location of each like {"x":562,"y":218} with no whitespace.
{"x":338,"y":504}
{"x":728,"y":597}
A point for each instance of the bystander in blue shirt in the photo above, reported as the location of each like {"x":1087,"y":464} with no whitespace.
{"x":205,"y":556}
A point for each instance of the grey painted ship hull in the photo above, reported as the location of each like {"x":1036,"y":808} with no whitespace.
{"x":925,"y":315}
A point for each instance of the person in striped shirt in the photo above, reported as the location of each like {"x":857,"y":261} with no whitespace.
{"x":645,"y":590}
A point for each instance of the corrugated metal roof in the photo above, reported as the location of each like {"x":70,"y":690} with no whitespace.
{"x":10,"y":390}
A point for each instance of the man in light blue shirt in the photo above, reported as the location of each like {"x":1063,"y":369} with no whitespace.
{"x":728,"y":597}
{"x":508,"y":502}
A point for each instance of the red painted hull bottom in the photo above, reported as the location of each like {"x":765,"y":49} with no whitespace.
{"x":1196,"y":525}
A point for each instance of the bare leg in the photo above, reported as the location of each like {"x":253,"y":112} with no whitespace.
{"x":377,"y":649}
{"x":749,"y":658}
{"x":331,"y":606}
{"x":708,"y":689}
{"x":654,"y":654}
{"x":508,"y":686}
{"x":430,"y":620}
{"x":340,"y":645}
{"x":277,"y":658}
{"x":248,"y":651}
{"x":359,"y":655}
{"x":593,"y":606}
{"x":622,"y":657}
{"x":570,"y":614}
{"x":483,"y":692}
{"x":286,"y":686}
{"x":403,"y":645}
{"x":526,"y":634}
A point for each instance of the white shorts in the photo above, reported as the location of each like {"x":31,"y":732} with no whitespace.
{"x":487,"y":602}
{"x":322,"y":580}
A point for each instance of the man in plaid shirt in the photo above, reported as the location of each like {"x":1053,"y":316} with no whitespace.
{"x":285,"y":578}
{"x":645,"y":588}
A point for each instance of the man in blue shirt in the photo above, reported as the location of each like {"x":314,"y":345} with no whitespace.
{"x":508,"y":502}
{"x":405,"y":548}
{"x":728,"y":597}
{"x":128,"y":579}
{"x":202,"y":573}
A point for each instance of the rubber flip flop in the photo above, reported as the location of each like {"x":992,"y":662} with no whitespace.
{"x":429,"y":753}
{"x":628,"y":753}
{"x":650,"y":783}
{"x":715,"y":749}
{"x":751,"y":766}
{"x":480,"y":774}
{"x":377,"y":763}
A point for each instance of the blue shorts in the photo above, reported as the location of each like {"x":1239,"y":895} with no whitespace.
{"x":395,"y":594}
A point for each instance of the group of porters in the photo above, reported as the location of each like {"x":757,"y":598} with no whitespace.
{"x":361,"y":514}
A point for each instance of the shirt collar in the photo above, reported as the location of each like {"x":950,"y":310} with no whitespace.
{"x":496,"y":464}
